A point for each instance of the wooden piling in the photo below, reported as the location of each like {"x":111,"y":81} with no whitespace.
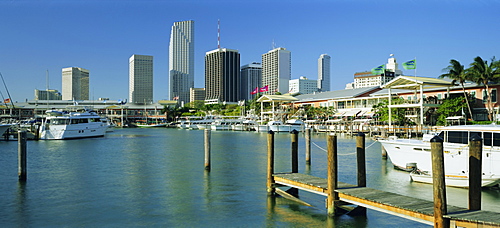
{"x":475,"y":172}
{"x":21,"y":155}
{"x":295,"y":150}
{"x":308,"y":146}
{"x":270,"y":163}
{"x":207,"y":149}
{"x":360,"y":154}
{"x":332,"y":174}
{"x":439,"y":186}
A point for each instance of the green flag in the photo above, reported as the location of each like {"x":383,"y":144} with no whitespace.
{"x":410,"y":65}
{"x":378,"y":70}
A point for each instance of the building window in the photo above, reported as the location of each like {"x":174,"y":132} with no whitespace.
{"x":440,"y":96}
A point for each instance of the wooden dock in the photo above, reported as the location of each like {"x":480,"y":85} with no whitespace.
{"x":391,"y":203}
{"x":434,"y":213}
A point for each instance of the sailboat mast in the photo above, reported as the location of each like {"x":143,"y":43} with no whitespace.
{"x":8,"y":94}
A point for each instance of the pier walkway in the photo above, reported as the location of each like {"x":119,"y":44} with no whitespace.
{"x":339,"y":194}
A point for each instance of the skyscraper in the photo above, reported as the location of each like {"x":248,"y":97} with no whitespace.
{"x":141,"y":79}
{"x":276,"y":70}
{"x":181,"y":61}
{"x":251,"y":78}
{"x":75,"y":83}
{"x":324,"y":73}
{"x":222,"y":76}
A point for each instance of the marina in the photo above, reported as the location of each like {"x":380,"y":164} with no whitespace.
{"x":139,"y":177}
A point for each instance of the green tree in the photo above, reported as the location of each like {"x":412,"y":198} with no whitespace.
{"x":483,"y":73}
{"x":381,"y":110}
{"x":450,"y":107}
{"x":456,"y":72}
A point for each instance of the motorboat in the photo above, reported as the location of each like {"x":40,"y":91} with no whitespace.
{"x":72,"y":125}
{"x":403,"y":152}
{"x":457,"y":180}
{"x":224,"y":124}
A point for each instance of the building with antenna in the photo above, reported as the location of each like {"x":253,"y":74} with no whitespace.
{"x":222,"y":76}
{"x":276,"y":70}
{"x":181,"y":61}
{"x":141,"y":79}
{"x":75,"y":83}
{"x":324,"y":73}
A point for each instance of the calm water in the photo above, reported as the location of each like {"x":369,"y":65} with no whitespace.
{"x":156,"y":177}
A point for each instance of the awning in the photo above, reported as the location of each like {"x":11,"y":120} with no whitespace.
{"x":352,"y":112}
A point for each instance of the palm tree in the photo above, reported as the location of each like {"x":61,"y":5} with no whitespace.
{"x":456,"y":72}
{"x":483,"y":73}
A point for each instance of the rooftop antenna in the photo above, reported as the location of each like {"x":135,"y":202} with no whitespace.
{"x":218,"y":33}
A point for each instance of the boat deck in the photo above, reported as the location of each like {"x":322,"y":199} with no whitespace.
{"x":388,"y":202}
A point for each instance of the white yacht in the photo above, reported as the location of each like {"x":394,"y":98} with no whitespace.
{"x":71,"y":125}
{"x":411,"y":152}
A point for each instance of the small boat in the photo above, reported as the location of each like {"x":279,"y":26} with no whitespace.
{"x":152,"y":125}
{"x":459,"y":181}
{"x":72,"y":125}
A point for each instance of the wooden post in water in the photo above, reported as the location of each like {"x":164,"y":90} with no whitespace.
{"x":360,"y":154}
{"x":475,"y":172}
{"x":207,"y":149}
{"x":308,"y":146}
{"x":439,"y":186}
{"x":270,"y":163}
{"x":295,"y":150}
{"x":21,"y":155}
{"x":332,"y":174}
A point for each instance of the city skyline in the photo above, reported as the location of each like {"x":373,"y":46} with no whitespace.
{"x":41,"y":36}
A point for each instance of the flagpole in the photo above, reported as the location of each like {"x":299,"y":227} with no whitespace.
{"x":415,"y":66}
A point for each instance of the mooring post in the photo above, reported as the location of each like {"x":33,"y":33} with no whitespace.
{"x":295,"y":150}
{"x":207,"y":149}
{"x":308,"y":146}
{"x":21,"y":155}
{"x":360,"y":154}
{"x":439,"y":186}
{"x":332,"y":174}
{"x":475,"y":172}
{"x":270,"y":163}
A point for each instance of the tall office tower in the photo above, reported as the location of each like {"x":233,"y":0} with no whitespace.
{"x":181,"y":61}
{"x":251,"y":78}
{"x":324,"y":73}
{"x":140,"y":79}
{"x":276,"y":70}
{"x":222,"y":76}
{"x":75,"y":83}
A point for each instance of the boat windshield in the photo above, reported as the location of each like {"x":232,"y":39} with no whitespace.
{"x":58,"y":121}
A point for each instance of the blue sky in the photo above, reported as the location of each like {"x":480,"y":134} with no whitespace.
{"x":100,"y":36}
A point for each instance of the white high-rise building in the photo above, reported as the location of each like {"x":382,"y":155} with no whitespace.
{"x":181,"y":61}
{"x":75,"y":83}
{"x":276,"y":70}
{"x":324,"y":73}
{"x":141,"y":79}
{"x":303,"y":85}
